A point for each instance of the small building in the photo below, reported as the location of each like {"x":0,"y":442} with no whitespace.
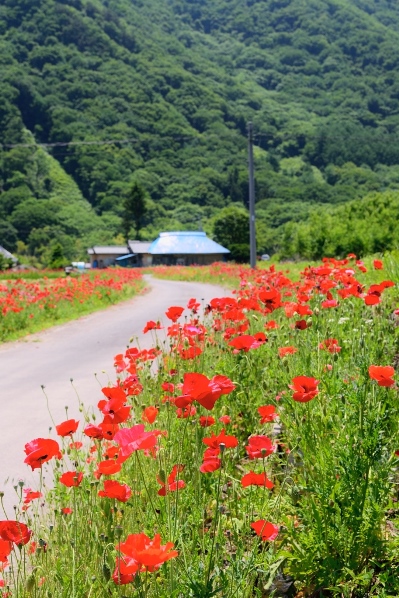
{"x":186,"y":248}
{"x":141,"y":250}
{"x":133,"y":255}
{"x":102,"y":256}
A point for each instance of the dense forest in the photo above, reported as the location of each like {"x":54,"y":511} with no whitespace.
{"x":97,"y":96}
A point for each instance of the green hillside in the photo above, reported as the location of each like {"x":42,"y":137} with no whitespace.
{"x":159,"y":92}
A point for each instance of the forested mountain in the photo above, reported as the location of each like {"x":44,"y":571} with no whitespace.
{"x":159,"y":93}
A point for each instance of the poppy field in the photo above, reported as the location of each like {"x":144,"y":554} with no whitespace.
{"x":253,"y":451}
{"x":28,"y":305}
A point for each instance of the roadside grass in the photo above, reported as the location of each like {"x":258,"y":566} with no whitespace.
{"x":28,"y":306}
{"x":230,"y":273}
{"x":34,"y":274}
{"x":261,"y":460}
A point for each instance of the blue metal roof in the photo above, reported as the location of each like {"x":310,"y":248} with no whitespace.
{"x":125,"y":257}
{"x":185,"y":242}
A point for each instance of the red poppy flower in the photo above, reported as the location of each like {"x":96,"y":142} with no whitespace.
{"x":245,"y":343}
{"x":149,"y":414}
{"x":329,"y":303}
{"x":108,"y":430}
{"x":224,"y":383}
{"x":66,"y":511}
{"x":40,"y":450}
{"x":190,"y":353}
{"x":115,"y":409}
{"x":76,"y":445}
{"x":119,"y":578}
{"x":210,"y":465}
{"x":225,"y":419}
{"x":152,"y":326}
{"x":197,"y":387}
{"x":135,"y":439}
{"x":168,"y":387}
{"x":132,"y":386}
{"x":107,"y":467}
{"x":271,"y":299}
{"x":30,"y":495}
{"x":301,"y":325}
{"x":305,"y":388}
{"x":215,"y":441}
{"x":193,"y":305}
{"x":378,"y":265}
{"x":93,"y":431}
{"x":206,"y":421}
{"x":112,"y":452}
{"x":67,"y":428}
{"x":256,"y":479}
{"x":174,"y":312}
{"x":382,"y":374}
{"x":188,"y":411}
{"x":15,"y":531}
{"x":267,"y":413}
{"x":143,"y":554}
{"x":71,"y":478}
{"x":113,"y":489}
{"x":331,"y":345}
{"x":266,"y":530}
{"x":5,"y":550}
{"x":271,"y":325}
{"x":283,"y":351}
{"x":260,"y":447}
{"x":171,"y":485}
{"x":260,"y":337}
{"x":372,"y":299}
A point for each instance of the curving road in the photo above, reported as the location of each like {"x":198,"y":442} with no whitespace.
{"x":77,"y":350}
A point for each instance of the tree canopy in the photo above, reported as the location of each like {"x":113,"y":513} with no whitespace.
{"x":159,"y":94}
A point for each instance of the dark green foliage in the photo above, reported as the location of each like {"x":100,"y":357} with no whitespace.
{"x":231,"y":229}
{"x":5,"y":262}
{"x":57,"y":258}
{"x":134,"y":210}
{"x":165,"y":91}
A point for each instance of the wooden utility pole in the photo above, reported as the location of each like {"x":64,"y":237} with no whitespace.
{"x":252,"y":232}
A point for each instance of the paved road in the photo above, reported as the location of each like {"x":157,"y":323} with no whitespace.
{"x":77,"y":350}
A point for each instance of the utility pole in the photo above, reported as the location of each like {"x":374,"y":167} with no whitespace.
{"x":252,"y":233}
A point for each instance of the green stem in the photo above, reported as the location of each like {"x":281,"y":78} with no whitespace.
{"x":215,"y":522}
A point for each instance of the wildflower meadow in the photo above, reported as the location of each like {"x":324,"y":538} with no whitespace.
{"x":253,"y":451}
{"x":29,"y":304}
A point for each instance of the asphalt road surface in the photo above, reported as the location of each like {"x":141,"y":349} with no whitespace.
{"x":78,"y":350}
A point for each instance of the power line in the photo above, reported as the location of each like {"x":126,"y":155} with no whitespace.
{"x":256,"y":137}
{"x":67,"y":143}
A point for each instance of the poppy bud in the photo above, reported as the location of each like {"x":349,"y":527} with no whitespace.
{"x":106,"y":572}
{"x":30,"y":583}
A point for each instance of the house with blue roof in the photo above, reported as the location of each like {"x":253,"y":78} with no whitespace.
{"x":175,"y":248}
{"x":186,"y":248}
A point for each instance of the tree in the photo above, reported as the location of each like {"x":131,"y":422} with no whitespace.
{"x":134,"y":210}
{"x":57,"y":258}
{"x":5,"y":262}
{"x":231,"y":229}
